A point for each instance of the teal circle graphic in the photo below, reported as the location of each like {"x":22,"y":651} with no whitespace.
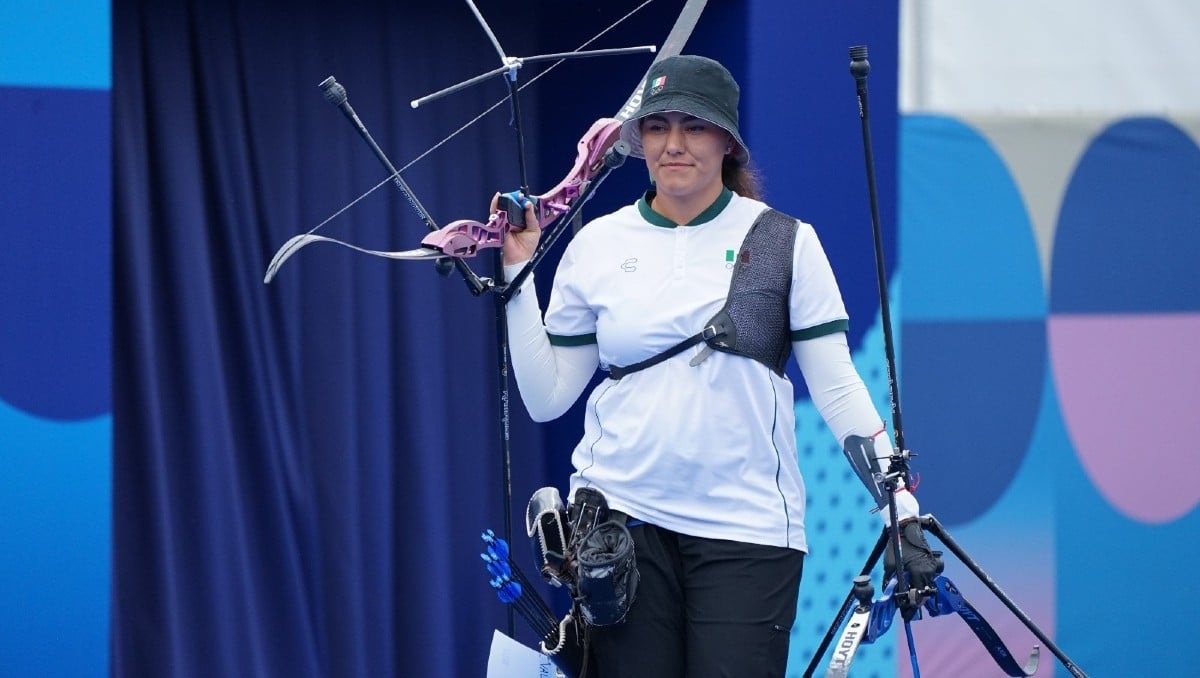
{"x":974,"y":324}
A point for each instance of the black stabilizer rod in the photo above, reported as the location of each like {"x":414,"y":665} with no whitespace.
{"x":335,"y":94}
{"x":859,"y":68}
{"x":898,"y":471}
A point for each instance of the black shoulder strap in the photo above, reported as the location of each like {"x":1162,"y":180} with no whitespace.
{"x":717,"y":327}
{"x":707,"y":333}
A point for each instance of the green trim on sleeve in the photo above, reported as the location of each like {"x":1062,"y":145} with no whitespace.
{"x":578,"y":340}
{"x":831,"y":327}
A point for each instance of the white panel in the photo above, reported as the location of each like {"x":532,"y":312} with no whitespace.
{"x":1050,"y":56}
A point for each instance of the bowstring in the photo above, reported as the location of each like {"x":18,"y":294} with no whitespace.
{"x":476,"y":119}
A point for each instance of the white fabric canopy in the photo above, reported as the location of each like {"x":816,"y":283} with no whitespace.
{"x":1050,"y":58}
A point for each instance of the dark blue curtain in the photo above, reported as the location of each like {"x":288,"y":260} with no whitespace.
{"x":302,"y":470}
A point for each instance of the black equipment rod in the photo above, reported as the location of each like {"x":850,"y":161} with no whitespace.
{"x":936,"y":529}
{"x":514,"y":97}
{"x":859,"y":68}
{"x":502,"y":388}
{"x":335,"y":94}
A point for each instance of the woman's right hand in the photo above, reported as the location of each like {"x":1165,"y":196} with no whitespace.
{"x":520,"y":243}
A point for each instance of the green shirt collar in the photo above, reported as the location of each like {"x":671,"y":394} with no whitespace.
{"x":706,"y":216}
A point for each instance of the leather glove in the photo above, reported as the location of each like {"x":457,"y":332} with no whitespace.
{"x":921,"y":563}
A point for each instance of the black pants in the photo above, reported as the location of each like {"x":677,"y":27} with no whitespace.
{"x":705,"y":608}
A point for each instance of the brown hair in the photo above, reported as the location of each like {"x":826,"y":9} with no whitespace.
{"x":741,"y":178}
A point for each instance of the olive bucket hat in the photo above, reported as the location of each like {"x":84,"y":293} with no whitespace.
{"x":689,"y":84}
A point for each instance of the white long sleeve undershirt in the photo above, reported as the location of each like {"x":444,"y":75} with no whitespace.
{"x":551,"y":378}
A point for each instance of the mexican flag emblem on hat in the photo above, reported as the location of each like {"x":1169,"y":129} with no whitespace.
{"x":693,"y":85}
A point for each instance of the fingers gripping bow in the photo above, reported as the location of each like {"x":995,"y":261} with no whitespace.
{"x":465,"y":237}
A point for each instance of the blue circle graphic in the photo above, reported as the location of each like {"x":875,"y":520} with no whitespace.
{"x":974,"y":323}
{"x":55,"y":263}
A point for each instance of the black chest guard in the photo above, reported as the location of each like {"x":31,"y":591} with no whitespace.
{"x":755,"y":319}
{"x":754,"y":322}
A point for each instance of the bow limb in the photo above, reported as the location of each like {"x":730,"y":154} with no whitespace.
{"x":294,"y":245}
{"x":289,"y":248}
{"x":458,"y":239}
{"x":685,"y":23}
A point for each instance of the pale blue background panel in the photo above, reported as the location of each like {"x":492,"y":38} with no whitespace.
{"x":965,"y":236}
{"x":56,"y":44}
{"x":55,"y":499}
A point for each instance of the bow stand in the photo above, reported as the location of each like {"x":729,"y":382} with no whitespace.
{"x":871,"y":619}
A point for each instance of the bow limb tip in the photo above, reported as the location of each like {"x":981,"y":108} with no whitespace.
{"x":285,"y":252}
{"x":1031,"y":664}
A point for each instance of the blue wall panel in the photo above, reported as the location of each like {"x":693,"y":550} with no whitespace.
{"x":55,"y":338}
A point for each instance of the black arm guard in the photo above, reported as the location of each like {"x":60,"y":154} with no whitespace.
{"x":861,"y":453}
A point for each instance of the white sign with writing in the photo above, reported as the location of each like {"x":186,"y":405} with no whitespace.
{"x":510,"y":659}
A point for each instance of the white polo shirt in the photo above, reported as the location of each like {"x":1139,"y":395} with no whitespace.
{"x":708,"y":450}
